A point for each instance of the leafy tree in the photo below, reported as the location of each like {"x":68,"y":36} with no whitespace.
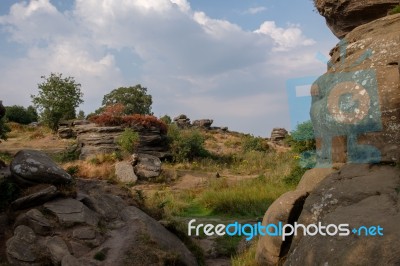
{"x":302,"y":138}
{"x":135,"y":100}
{"x":166,"y":119}
{"x":57,"y":99}
{"x":81,"y":115}
{"x":20,"y":114}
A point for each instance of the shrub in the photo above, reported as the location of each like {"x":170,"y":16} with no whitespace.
{"x":251,"y":143}
{"x":295,"y":175}
{"x":21,"y":115}
{"x":186,"y":144}
{"x":302,"y":138}
{"x":113,"y":115}
{"x":4,"y":129}
{"x":166,"y":119}
{"x":395,"y":10}
{"x":128,"y":140}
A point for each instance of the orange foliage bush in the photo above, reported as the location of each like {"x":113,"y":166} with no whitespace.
{"x":113,"y":115}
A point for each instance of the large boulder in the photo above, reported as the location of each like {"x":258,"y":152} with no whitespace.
{"x":358,"y":195}
{"x":99,"y":224}
{"x":30,"y":167}
{"x":343,"y":16}
{"x":356,"y":105}
{"x":286,"y":209}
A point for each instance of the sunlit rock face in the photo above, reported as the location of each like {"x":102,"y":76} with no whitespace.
{"x":356,"y":103}
{"x":345,"y":15}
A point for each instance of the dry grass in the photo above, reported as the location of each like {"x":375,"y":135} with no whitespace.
{"x":87,"y":169}
{"x":37,"y":138}
{"x":247,"y":258}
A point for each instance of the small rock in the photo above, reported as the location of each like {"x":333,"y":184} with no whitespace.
{"x":124,"y":172}
{"x":78,"y":249}
{"x":70,"y":212}
{"x":84,"y":233}
{"x":36,"y":198}
{"x":57,"y":249}
{"x":147,"y":166}
{"x":21,"y":247}
{"x":35,"y":220}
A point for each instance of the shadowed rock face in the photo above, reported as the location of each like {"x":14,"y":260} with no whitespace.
{"x":358,"y":195}
{"x":343,"y":16}
{"x":356,"y":103}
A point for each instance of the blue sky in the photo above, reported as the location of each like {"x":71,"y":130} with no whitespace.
{"x":224,"y":60}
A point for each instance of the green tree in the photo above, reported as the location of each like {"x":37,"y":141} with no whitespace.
{"x":20,"y":114}
{"x":81,"y":115}
{"x":302,"y":138}
{"x":135,"y":99}
{"x":58,"y":99}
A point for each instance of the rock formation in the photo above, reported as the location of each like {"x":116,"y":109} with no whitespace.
{"x":93,"y":139}
{"x":98,"y":224}
{"x":356,"y":117}
{"x":343,"y":16}
{"x":355,"y":105}
{"x":278,"y":135}
{"x":182,"y":121}
{"x":203,"y":123}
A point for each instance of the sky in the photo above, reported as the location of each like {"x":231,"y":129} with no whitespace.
{"x":233,"y":61}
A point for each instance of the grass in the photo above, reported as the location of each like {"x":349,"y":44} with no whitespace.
{"x":246,"y":258}
{"x":6,"y":157}
{"x":100,"y":166}
{"x":395,"y":10}
{"x":245,"y":198}
{"x":248,"y":198}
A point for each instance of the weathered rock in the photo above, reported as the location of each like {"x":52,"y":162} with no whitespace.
{"x":182,"y":121}
{"x":78,"y":249}
{"x":70,"y":260}
{"x":33,"y":167}
{"x":57,"y":249}
{"x":285,"y":209}
{"x":124,"y":172}
{"x":278,"y":135}
{"x":84,"y":233}
{"x":355,"y":105}
{"x":147,"y":166}
{"x":36,"y":198}
{"x":203,"y":123}
{"x":312,"y":177}
{"x":65,"y":132}
{"x":71,"y":212}
{"x":21,"y":248}
{"x":36,"y":221}
{"x":130,"y":244}
{"x":93,"y":140}
{"x":358,"y":195}
{"x":107,"y":205}
{"x":343,"y":16}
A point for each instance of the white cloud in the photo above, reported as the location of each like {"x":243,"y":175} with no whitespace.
{"x":284,"y":38}
{"x":191,"y":63}
{"x":255,"y":10}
